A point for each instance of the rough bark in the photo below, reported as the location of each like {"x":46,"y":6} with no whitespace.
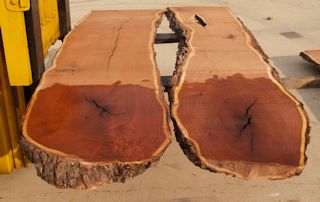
{"x":98,"y":115}
{"x":220,"y":101}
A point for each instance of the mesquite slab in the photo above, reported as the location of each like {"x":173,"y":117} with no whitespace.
{"x":230,"y":112}
{"x":98,"y":115}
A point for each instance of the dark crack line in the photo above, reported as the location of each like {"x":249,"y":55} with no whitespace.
{"x":101,"y":108}
{"x":248,"y":123}
{"x":115,"y":44}
{"x":251,"y":140}
{"x":250,"y":106}
{"x":245,"y":125}
{"x":200,"y":20}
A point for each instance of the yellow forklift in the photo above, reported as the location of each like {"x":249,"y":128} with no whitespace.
{"x":27,"y":30}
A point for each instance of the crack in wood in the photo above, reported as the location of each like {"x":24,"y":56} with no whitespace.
{"x":103,"y":109}
{"x":115,"y":44}
{"x":113,"y":50}
{"x":200,"y":20}
{"x":250,"y":106}
{"x":248,"y":123}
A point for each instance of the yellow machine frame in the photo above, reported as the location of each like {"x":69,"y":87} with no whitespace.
{"x":15,"y":70}
{"x":49,"y":20}
{"x":15,"y":42}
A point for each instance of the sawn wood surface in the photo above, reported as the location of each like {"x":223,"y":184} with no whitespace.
{"x":231,"y":114}
{"x":98,"y":115}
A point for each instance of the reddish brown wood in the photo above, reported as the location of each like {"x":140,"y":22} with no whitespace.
{"x":98,"y":115}
{"x":230,"y":111}
{"x":312,"y":56}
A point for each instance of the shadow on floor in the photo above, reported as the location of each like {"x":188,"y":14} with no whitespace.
{"x":294,"y":66}
{"x":311,"y":98}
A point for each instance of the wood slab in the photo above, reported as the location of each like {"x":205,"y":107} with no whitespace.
{"x":312,"y":56}
{"x":301,"y":82}
{"x":230,"y":112}
{"x":98,"y":115}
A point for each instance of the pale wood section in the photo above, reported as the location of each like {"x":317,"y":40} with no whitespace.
{"x":211,"y":46}
{"x":101,"y":48}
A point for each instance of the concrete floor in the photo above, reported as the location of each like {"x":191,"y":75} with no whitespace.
{"x":177,"y":179}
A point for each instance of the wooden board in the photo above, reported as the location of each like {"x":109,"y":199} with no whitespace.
{"x":98,"y":115}
{"x":301,"y":82}
{"x":312,"y":56}
{"x":230,"y":112}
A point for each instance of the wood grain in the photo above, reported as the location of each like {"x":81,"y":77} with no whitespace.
{"x":230,"y":112}
{"x":98,"y":115}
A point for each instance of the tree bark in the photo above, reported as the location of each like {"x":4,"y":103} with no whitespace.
{"x":230,"y":112}
{"x":98,"y":115}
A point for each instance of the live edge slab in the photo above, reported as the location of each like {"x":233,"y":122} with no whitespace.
{"x":230,"y":112}
{"x":98,"y":115}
